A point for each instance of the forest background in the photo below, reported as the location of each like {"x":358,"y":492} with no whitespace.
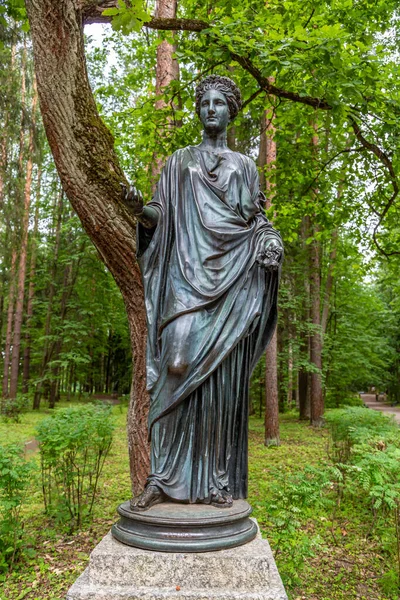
{"x":330,"y":176}
{"x":320,"y":118}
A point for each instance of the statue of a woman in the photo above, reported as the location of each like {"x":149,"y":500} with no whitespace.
{"x":210,"y":264}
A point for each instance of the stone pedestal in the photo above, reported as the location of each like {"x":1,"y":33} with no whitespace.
{"x":120,"y":572}
{"x":174,"y":527}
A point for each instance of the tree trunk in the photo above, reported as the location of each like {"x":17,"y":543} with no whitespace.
{"x":329,"y":282}
{"x":304,"y":380}
{"x":317,"y":397}
{"x":231,"y":133}
{"x":5,"y":137}
{"x":88,"y":167}
{"x":31,"y":293}
{"x":267,"y":158}
{"x":16,"y":216}
{"x":19,"y":308}
{"x":167,"y":70}
{"x":271,"y":394}
{"x":50,"y":297}
{"x":57,"y":345}
{"x":23,"y":108}
{"x":304,"y":395}
{"x":10,"y":315}
{"x":290,"y":370}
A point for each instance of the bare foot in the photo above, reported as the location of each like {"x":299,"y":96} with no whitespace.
{"x":221,"y":499}
{"x":149,"y":497}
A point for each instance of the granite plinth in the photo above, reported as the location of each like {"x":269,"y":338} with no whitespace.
{"x":174,"y":527}
{"x":120,"y":572}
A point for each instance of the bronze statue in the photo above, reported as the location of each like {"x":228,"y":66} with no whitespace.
{"x":210,"y":262}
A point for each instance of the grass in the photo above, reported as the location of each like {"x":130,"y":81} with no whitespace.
{"x":319,"y":559}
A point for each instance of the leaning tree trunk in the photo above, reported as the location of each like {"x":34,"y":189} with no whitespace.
{"x":83,"y":150}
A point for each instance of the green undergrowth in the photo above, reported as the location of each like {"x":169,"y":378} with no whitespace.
{"x":330,"y":541}
{"x":322,"y":553}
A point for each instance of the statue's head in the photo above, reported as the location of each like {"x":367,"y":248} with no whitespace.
{"x":221,"y":94}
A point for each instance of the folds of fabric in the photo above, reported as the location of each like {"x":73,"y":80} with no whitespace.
{"x":200,"y":447}
{"x":201,"y":261}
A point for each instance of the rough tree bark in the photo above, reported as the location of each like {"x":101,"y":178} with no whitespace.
{"x":88,"y":167}
{"x":267,"y":158}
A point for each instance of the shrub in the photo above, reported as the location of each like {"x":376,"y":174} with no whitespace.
{"x":351,"y":426}
{"x":365,"y":446}
{"x":74,"y":444}
{"x":334,"y":399}
{"x":15,"y":473}
{"x":363,"y":472}
{"x":11,"y":409}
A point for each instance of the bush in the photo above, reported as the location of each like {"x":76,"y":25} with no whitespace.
{"x":351,"y":426}
{"x":362,"y":472}
{"x":15,"y":473}
{"x":11,"y":409}
{"x":365,"y":446}
{"x":74,"y":444}
{"x":335,"y":399}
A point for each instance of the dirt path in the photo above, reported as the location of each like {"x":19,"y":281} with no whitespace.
{"x":370,"y":401}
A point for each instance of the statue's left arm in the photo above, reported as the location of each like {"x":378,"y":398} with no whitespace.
{"x":271,"y":254}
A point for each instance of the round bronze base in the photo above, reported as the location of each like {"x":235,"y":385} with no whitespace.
{"x":174,"y":527}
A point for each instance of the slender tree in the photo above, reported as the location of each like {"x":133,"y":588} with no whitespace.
{"x":317,"y":398}
{"x":167,"y":70}
{"x":10,"y":318}
{"x":23,"y":253}
{"x":267,"y":160}
{"x":50,"y":298}
{"x":31,"y":294}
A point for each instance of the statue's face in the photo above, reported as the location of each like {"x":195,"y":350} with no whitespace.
{"x":214,"y":112}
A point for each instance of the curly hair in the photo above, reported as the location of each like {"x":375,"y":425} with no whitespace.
{"x":226,"y":86}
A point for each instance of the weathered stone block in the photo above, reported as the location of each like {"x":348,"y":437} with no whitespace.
{"x":120,"y":572}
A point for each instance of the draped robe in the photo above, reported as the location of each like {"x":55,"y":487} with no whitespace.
{"x":211,"y":307}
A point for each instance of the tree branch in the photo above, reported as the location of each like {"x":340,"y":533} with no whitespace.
{"x":92,"y":13}
{"x":385,"y":160}
{"x":327,"y":163}
{"x":279,"y":92}
{"x":252,"y":97}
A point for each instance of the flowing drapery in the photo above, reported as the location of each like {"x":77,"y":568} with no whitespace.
{"x":210,"y":303}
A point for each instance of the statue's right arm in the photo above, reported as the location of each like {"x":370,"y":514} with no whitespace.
{"x":133,"y":200}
